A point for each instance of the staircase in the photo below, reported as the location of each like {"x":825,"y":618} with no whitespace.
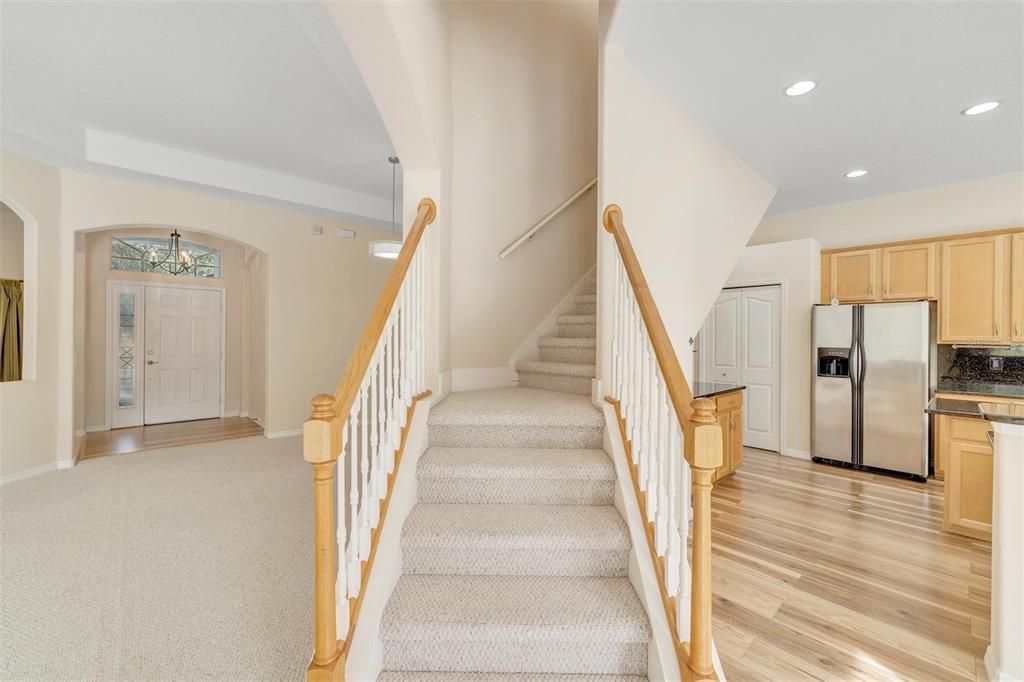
{"x":568,"y":360}
{"x":514,"y":559}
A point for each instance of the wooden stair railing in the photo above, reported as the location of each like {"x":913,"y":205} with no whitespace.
{"x":366,"y":420}
{"x":657,"y":418}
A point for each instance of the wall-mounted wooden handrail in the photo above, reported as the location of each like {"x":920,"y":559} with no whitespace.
{"x":528,"y":235}
{"x":348,"y":387}
{"x":678,"y":388}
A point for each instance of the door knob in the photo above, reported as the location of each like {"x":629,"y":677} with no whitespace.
{"x":152,"y":362}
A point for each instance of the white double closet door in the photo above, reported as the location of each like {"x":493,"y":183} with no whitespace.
{"x":167,"y":353}
{"x":740,"y":343}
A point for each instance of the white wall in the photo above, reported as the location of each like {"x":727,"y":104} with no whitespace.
{"x":972,"y":206}
{"x":12,"y":245}
{"x":28,"y":408}
{"x":796,"y":265}
{"x":524,"y":107}
{"x":689,"y":204}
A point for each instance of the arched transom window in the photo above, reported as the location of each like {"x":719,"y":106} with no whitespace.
{"x":150,"y":254}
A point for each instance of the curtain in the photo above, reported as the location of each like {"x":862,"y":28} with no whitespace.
{"x":11,"y":313}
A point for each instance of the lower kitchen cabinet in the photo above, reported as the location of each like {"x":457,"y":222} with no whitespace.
{"x":965,"y":457}
{"x":730,"y":418}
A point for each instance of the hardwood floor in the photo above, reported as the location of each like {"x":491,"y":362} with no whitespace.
{"x":124,"y":441}
{"x":825,"y":573}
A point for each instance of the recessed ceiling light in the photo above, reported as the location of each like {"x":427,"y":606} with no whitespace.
{"x":982,"y":108}
{"x":800,"y":88}
{"x":859,"y":173}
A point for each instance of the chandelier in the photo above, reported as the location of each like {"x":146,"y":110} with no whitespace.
{"x":178,"y":261}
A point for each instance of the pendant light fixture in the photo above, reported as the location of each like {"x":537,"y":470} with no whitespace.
{"x":390,"y":248}
{"x":176,"y":262}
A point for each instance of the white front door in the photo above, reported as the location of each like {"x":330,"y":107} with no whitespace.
{"x":183,"y":362}
{"x":720,"y":339}
{"x":759,"y":365}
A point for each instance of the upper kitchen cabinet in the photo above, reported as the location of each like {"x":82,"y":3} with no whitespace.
{"x":855,"y":275}
{"x":974,"y":300}
{"x":909,"y":272}
{"x":1017,"y":290}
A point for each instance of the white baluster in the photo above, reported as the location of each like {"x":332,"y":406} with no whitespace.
{"x":382,"y":423}
{"x":654,"y":454}
{"x":375,"y":399}
{"x":614,"y":388}
{"x":354,"y":577}
{"x":642,"y":428}
{"x":674,"y":454}
{"x":662,"y":523}
{"x":364,"y":463}
{"x":341,"y":580}
{"x":395,"y":395}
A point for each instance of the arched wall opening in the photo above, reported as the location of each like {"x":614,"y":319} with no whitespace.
{"x":19,"y":239}
{"x":117,"y":340}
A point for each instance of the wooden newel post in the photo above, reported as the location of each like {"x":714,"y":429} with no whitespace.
{"x":705,"y":456}
{"x":321,"y":445}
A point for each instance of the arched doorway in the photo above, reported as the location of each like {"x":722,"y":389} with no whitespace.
{"x":170,"y":354}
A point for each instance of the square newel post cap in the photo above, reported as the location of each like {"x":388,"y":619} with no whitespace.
{"x":706,"y":452}
{"x":321,"y":434}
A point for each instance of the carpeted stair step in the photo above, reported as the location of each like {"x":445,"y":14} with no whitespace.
{"x":515,"y":624}
{"x":420,"y":676}
{"x":577,"y":325}
{"x":585,"y":299}
{"x":515,"y":418}
{"x":583,"y":309}
{"x":567,"y":377}
{"x":515,"y":476}
{"x":575,"y":349}
{"x":515,"y":539}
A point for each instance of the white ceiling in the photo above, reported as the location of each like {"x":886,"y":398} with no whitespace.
{"x":231,"y":90}
{"x":892,"y":78}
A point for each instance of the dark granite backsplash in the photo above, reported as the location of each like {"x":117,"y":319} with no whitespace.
{"x":976,"y":365}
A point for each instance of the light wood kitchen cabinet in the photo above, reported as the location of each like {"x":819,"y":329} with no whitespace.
{"x":968,"y":484}
{"x":974,"y":300}
{"x":730,"y":418}
{"x":1017,"y":289}
{"x":909,"y":272}
{"x":855,"y":275}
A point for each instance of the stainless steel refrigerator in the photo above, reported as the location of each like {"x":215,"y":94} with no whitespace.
{"x":874,"y":374}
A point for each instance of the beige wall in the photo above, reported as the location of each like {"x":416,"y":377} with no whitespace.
{"x":237,"y":278}
{"x":983,"y":204}
{"x":524,"y":107}
{"x":689,"y":204}
{"x":320,"y":292}
{"x":12,"y":244}
{"x":321,"y":288}
{"x":28,"y":408}
{"x":796,"y":265}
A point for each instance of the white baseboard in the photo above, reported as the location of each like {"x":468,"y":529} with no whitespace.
{"x":472,"y":379}
{"x":65,"y":463}
{"x":80,"y":432}
{"x":992,"y":670}
{"x":796,"y":454}
{"x":444,"y":385}
{"x":260,"y":422}
{"x":232,"y":413}
{"x":97,"y":427}
{"x":29,"y":473}
{"x":243,"y":414}
{"x":282,"y":434}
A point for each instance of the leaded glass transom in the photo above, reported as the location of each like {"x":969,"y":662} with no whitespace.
{"x":128,"y":255}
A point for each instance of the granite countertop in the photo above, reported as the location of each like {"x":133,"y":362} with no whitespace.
{"x":1005,"y":413}
{"x":975,"y":387}
{"x":954,"y":407}
{"x":709,"y":389}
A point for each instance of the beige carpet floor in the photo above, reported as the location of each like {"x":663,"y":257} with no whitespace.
{"x":190,"y":563}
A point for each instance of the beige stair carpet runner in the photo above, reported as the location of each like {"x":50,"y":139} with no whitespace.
{"x":568,"y":360}
{"x":514,"y":559}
